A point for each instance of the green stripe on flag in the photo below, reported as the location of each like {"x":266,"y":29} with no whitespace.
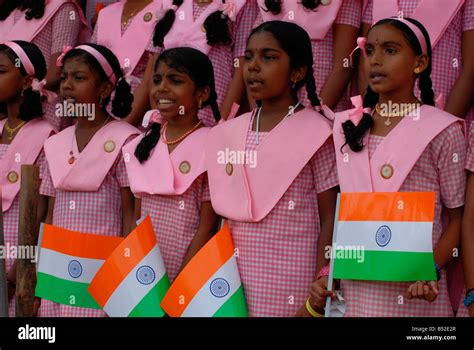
{"x":64,"y":292}
{"x":235,"y":306}
{"x":149,"y":306}
{"x":386,"y":266}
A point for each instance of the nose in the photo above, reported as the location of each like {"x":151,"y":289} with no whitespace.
{"x":66,"y":83}
{"x":375,"y":59}
{"x":252,"y":64}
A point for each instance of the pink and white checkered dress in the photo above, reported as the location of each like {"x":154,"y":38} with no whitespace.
{"x":58,"y":32}
{"x":139,"y":70}
{"x":323,"y":52}
{"x":462,"y":310}
{"x":175,"y":221}
{"x":277,"y":256}
{"x":435,"y":171}
{"x":447,"y":58}
{"x":97,"y":212}
{"x":11,"y":217}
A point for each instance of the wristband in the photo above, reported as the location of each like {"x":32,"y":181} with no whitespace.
{"x":438,"y":271}
{"x":312,"y":311}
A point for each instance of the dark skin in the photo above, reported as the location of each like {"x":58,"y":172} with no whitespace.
{"x":173,"y":92}
{"x":12,"y":82}
{"x":468,"y":238}
{"x":390,"y":65}
{"x":268,"y":78}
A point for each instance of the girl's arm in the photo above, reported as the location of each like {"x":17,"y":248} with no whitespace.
{"x":235,"y":91}
{"x":459,"y":100}
{"x":450,"y":238}
{"x":468,"y":238}
{"x":207,"y":228}
{"x":344,"y":41}
{"x":49,"y":215}
{"x":128,"y":201}
{"x":141,"y":99}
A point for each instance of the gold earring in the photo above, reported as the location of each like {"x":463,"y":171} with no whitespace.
{"x":417,"y":70}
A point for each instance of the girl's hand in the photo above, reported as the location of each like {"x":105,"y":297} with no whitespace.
{"x":303,"y":312}
{"x":423,"y":290}
{"x":319,"y":292}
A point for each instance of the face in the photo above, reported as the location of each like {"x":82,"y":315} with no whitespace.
{"x":80,"y":84}
{"x":11,"y":80}
{"x":173,"y":92}
{"x":266,"y":68}
{"x":391,"y":60}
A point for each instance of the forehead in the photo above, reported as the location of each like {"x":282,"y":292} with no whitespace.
{"x":263,"y":40}
{"x":76,"y":64}
{"x":163,"y":68}
{"x":384,"y":33}
{"x":5,"y":59}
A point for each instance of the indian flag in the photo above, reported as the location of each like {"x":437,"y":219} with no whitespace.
{"x":68,"y":261}
{"x":384,"y":236}
{"x":133,"y":279}
{"x":209,"y":285}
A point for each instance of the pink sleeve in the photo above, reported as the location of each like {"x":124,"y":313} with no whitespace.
{"x":205,"y":194}
{"x":468,"y":16}
{"x":470,"y":150}
{"x":367,"y":16}
{"x":46,"y":186}
{"x":350,"y":13}
{"x":323,"y":165}
{"x":243,"y":26}
{"x":449,"y":151}
{"x":66,"y":27}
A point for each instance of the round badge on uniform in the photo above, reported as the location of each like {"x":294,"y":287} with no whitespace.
{"x":184,"y":167}
{"x":147,"y":17}
{"x":386,"y":171}
{"x":229,"y":169}
{"x":12,"y":177}
{"x":109,"y":146}
{"x":325,"y":2}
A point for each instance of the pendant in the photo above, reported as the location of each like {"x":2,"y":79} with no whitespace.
{"x":388,"y":122}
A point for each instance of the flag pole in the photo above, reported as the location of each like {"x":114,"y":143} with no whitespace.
{"x":331,"y":261}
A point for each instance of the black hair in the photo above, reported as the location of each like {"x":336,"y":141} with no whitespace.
{"x":274,"y":6}
{"x":7,"y":8}
{"x":354,"y":134}
{"x":34,"y":8}
{"x":31,"y":106}
{"x":216,"y":26}
{"x":198,"y":67}
{"x":295,"y":41}
{"x":123,"y":99}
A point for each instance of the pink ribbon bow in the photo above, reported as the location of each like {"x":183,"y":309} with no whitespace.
{"x":37,"y":85}
{"x":228,"y":8}
{"x":152,"y":116}
{"x":356,"y":114}
{"x":127,"y":75}
{"x":66,"y":49}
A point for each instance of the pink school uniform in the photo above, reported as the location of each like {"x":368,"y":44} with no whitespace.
{"x":132,"y":44}
{"x":462,"y":310}
{"x":91,"y":7}
{"x":87,"y":192}
{"x":186,"y":31}
{"x":319,"y":25}
{"x":386,"y":165}
{"x":62,"y":24}
{"x":272,"y":207}
{"x":445,"y":21}
{"x":172,"y":188}
{"x":28,"y":150}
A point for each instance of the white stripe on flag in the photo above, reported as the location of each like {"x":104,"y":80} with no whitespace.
{"x":204,"y":303}
{"x":62,"y":266}
{"x":130,"y":292}
{"x":403,"y":237}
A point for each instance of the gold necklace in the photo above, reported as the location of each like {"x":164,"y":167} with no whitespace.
{"x":182,"y":137}
{"x":401,"y":113}
{"x":11,"y":131}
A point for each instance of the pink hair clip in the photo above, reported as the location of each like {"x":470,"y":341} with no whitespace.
{"x":361,"y":42}
{"x":38,"y":86}
{"x":356,"y":114}
{"x":60,"y":59}
{"x":228,"y":9}
{"x":152,"y":116}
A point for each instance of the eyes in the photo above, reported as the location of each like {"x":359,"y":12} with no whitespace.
{"x":157,"y":79}
{"x":77,"y":77}
{"x":389,"y":50}
{"x":266,"y":57}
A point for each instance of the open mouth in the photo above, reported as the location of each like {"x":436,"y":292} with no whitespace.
{"x":253,"y":83}
{"x":377,"y":77}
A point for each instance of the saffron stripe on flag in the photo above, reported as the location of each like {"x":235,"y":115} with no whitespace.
{"x":198,"y":271}
{"x":63,"y":291}
{"x":397,"y":206}
{"x":391,"y":236}
{"x":115,"y":266}
{"x":386,"y":266}
{"x":78,"y":244}
{"x":122,"y":301}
